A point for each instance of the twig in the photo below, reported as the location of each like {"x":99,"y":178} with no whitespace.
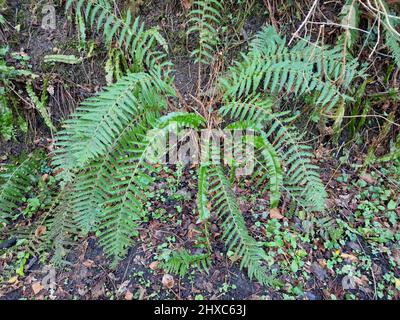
{"x":296,"y":34}
{"x":378,"y":36}
{"x":365,"y":116}
{"x":271,"y":14}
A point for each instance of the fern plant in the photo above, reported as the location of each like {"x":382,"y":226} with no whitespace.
{"x":181,"y":261}
{"x":204,"y":17}
{"x":103,"y":149}
{"x":14,"y":183}
{"x":128,"y":33}
{"x":11,"y":120}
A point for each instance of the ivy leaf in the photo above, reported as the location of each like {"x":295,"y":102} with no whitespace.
{"x":392,"y":205}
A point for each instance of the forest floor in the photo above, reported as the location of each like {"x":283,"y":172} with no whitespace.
{"x":350,"y":252}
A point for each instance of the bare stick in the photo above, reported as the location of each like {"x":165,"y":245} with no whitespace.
{"x":296,"y":34}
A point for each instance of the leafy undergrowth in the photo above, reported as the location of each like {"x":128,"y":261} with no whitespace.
{"x":351,"y":252}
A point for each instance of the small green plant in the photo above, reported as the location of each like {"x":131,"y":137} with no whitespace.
{"x":15,"y":181}
{"x":11,"y":119}
{"x":60,"y":58}
{"x":181,"y":261}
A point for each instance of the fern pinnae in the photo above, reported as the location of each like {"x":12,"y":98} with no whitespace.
{"x":131,"y":35}
{"x":235,"y":232}
{"x":91,"y":184}
{"x":124,"y":209}
{"x":204,"y":15}
{"x":300,"y":170}
{"x":100,"y":119}
{"x":271,"y":66}
{"x":202,"y":199}
{"x":14,"y":182}
{"x":271,"y":168}
{"x":393,"y":42}
{"x":283,"y":139}
{"x":61,"y":228}
{"x":253,"y":108}
{"x":181,"y":261}
{"x":268,"y":166}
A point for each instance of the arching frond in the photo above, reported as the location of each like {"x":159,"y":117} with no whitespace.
{"x":301,"y":178}
{"x":204,"y":19}
{"x":202,"y":194}
{"x":99,"y":120}
{"x":235,"y":233}
{"x":270,"y":66}
{"x":14,"y":182}
{"x":61,"y":228}
{"x":130,"y":34}
{"x":123,"y":209}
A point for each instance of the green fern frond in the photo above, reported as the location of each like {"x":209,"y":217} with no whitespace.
{"x":14,"y":182}
{"x":301,"y":178}
{"x":350,"y":19}
{"x":61,"y":228}
{"x":254,"y":108}
{"x":393,"y":42}
{"x":235,"y":232}
{"x":40,"y":106}
{"x":266,"y":158}
{"x":61,"y":58}
{"x":185,"y":119}
{"x":392,"y":35}
{"x":99,"y":120}
{"x":90,"y":185}
{"x":204,"y":17}
{"x":181,"y":261}
{"x":271,"y":169}
{"x":124,"y":209}
{"x":116,"y":66}
{"x":271,"y":66}
{"x":128,"y":33}
{"x":202,"y":195}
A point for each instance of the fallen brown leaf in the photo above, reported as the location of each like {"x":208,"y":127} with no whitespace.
{"x":186,"y":4}
{"x":88,"y":263}
{"x":128,"y":295}
{"x":13,"y":280}
{"x":368,"y":178}
{"x":154,"y":265}
{"x":37,"y":287}
{"x":275,"y":213}
{"x":39,"y":231}
{"x":349,"y":257}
